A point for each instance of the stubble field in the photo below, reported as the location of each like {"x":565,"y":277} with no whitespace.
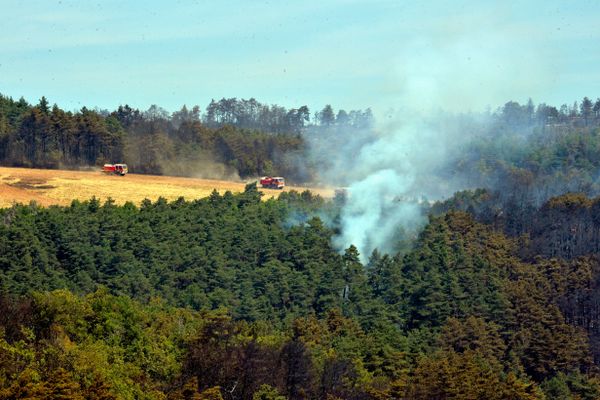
{"x":48,"y":187}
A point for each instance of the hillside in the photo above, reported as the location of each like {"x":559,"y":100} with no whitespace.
{"x":184,"y":300}
{"x":48,"y":187}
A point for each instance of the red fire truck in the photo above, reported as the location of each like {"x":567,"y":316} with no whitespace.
{"x":115,"y":169}
{"x":270,"y":182}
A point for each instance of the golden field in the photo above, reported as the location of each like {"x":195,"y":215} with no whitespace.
{"x":47,"y":187}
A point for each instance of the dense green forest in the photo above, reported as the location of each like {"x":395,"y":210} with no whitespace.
{"x":229,"y":297}
{"x":233,"y":297}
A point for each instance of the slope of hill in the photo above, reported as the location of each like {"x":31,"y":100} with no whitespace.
{"x":47,"y":187}
{"x":88,"y":297}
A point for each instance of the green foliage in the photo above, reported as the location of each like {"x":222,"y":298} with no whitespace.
{"x":231,"y":296}
{"x":232,"y":251}
{"x":466,"y":376}
{"x":267,"y":392}
{"x":99,"y":345}
{"x":572,"y":386}
{"x":233,"y":138}
{"x":151,"y":142}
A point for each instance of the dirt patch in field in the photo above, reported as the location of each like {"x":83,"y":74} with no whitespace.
{"x":30,"y":186}
{"x":29,"y":183}
{"x":10,"y":195}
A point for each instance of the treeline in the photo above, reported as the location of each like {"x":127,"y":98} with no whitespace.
{"x":244,"y":137}
{"x":280,"y":313}
{"x":522,"y":170}
{"x":580,"y":114}
{"x":251,"y":114}
{"x":40,"y":136}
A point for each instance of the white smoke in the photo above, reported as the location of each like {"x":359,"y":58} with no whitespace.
{"x":373,"y":211}
{"x":390,"y":177}
{"x":387,"y":173}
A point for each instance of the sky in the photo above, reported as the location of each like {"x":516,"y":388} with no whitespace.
{"x":388,"y":55}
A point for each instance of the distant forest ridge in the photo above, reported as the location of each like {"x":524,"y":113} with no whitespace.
{"x":247,"y":137}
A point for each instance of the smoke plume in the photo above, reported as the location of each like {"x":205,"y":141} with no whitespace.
{"x":390,"y":171}
{"x":388,"y":178}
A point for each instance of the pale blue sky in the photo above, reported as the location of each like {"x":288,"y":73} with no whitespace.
{"x":464,"y":55}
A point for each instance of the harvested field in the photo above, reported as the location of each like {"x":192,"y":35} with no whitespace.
{"x":47,"y":187}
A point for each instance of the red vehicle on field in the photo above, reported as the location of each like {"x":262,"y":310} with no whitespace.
{"x":270,"y":182}
{"x":115,"y":169}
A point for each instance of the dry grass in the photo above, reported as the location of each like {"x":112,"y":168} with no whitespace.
{"x":47,"y":187}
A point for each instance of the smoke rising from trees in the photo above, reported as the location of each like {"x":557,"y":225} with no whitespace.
{"x":389,"y":174}
{"x":414,"y":154}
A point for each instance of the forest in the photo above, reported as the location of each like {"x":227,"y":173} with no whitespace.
{"x":248,"y":137}
{"x":236,"y":297}
{"x":555,"y":147}
{"x":223,"y":297}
